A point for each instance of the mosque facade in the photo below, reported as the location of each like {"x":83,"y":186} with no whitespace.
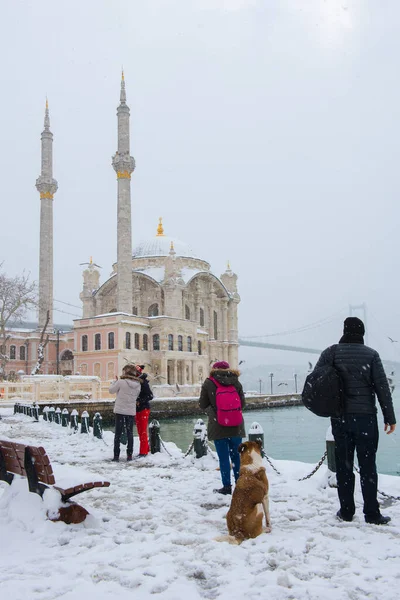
{"x":162,"y":306}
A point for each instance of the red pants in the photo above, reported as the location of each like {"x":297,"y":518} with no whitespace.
{"x":142,"y":419}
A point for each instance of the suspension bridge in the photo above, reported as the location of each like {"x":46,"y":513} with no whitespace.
{"x":265,"y":341}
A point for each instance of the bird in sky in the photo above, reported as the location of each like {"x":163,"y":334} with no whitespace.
{"x":242,"y":361}
{"x":392,"y":340}
{"x":309,"y":366}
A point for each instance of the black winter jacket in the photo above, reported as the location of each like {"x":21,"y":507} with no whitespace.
{"x":143,"y":400}
{"x":207,"y":401}
{"x":363,"y":376}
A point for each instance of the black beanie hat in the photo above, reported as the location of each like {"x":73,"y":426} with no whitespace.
{"x":354,"y":325}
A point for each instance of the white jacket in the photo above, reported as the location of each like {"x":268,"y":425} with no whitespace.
{"x":127,"y":391}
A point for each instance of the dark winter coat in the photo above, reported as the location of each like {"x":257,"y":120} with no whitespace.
{"x":363,"y":376}
{"x":207,"y":401}
{"x":143,"y":400}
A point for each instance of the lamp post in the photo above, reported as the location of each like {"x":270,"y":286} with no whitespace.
{"x":26,"y":356}
{"x":295,"y":382}
{"x":260,"y":382}
{"x":271,"y":376}
{"x":58,"y":351}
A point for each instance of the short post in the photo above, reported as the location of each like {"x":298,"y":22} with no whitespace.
{"x":46,"y":413}
{"x":200,"y":440}
{"x":256,"y":434}
{"x":51,"y":414}
{"x":271,"y":376}
{"x":74,"y":420}
{"x":330,"y":449}
{"x":295,"y":382}
{"x":85,"y":422}
{"x":16,"y":406}
{"x":97,"y":426}
{"x":57,"y":416}
{"x":154,"y":429}
{"x":64,"y":417}
{"x":35,"y":411}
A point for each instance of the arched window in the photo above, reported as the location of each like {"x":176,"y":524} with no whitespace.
{"x":215,"y":326}
{"x":97,"y":341}
{"x":170,"y":342}
{"x":156,"y":341}
{"x":199,"y":348}
{"x":137,"y":341}
{"x":134,"y":310}
{"x":111,"y":340}
{"x":180,"y":343}
{"x":110,"y":371}
{"x":202,"y":317}
{"x":189,"y":344}
{"x":13,"y":351}
{"x":22,"y":353}
{"x":128,"y":340}
{"x":84,"y":342}
{"x":145,"y":341}
{"x":97,"y":370}
{"x":153,"y":310}
{"x":83,"y":369}
{"x":187,"y":312}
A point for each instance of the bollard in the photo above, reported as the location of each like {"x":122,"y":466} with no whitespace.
{"x":256,"y":434}
{"x":200,"y":440}
{"x":15,"y":408}
{"x":330,"y":449}
{"x":57,"y":416}
{"x":64,"y":417}
{"x":74,"y":420}
{"x":35,"y":411}
{"x":154,"y":430}
{"x":85,"y":422}
{"x":46,"y":413}
{"x":24,"y":409}
{"x":97,"y":426}
{"x":50,"y":414}
{"x":28,"y":411}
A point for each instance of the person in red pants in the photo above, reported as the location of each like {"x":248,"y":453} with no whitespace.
{"x":143,"y":412}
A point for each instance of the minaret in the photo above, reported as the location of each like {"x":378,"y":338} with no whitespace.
{"x":124,"y":165}
{"x":47,"y":187}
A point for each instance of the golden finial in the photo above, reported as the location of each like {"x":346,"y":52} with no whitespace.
{"x":228,"y":268}
{"x":123,"y":76}
{"x":47,"y":104}
{"x":160,"y":228}
{"x":91,"y":260}
{"x":172,"y":247}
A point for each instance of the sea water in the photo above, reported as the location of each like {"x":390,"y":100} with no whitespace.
{"x":292,"y":433}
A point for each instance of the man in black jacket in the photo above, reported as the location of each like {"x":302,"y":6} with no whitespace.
{"x":363,"y":377}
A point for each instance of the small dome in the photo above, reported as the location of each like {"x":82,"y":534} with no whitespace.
{"x":160,"y":245}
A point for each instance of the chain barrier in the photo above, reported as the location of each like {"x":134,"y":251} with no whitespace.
{"x":163,"y":445}
{"x":357,"y":470}
{"x":315,"y":469}
{"x":270,"y":463}
{"x":189,"y":449}
{"x":212,"y":452}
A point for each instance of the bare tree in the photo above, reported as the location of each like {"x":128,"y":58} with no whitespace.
{"x":41,"y":347}
{"x":17,"y":296}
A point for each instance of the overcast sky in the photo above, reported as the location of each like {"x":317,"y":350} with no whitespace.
{"x":264,"y":132}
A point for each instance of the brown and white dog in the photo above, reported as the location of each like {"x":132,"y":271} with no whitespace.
{"x":250,"y":497}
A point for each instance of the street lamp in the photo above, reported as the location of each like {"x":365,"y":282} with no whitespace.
{"x":260,"y":382}
{"x":271,"y":376}
{"x":295,"y":382}
{"x":58,"y":331}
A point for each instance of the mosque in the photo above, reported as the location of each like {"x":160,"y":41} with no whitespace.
{"x":162,"y":306}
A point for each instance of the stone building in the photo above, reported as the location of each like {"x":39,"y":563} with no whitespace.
{"x":162,"y":306}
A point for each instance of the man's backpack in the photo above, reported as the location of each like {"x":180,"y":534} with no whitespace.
{"x":323,"y":392}
{"x":229,"y":405}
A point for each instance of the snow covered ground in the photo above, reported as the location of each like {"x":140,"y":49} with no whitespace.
{"x":151,"y":533}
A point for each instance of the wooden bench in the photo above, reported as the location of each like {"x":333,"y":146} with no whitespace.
{"x":33,"y":463}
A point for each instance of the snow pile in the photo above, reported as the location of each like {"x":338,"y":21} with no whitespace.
{"x":151,"y":533}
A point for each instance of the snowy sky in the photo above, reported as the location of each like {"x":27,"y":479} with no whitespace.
{"x":265,"y":133}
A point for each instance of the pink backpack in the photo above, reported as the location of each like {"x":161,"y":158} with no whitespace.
{"x":229,"y":405}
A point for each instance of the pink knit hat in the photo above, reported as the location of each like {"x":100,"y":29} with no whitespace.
{"x":222,"y":364}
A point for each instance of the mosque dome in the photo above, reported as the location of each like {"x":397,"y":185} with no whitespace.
{"x":160,"y":245}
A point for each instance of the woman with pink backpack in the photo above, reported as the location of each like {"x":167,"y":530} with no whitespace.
{"x":223,"y":399}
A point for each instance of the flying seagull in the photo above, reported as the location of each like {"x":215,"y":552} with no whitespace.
{"x":242,"y":361}
{"x":392,"y":340}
